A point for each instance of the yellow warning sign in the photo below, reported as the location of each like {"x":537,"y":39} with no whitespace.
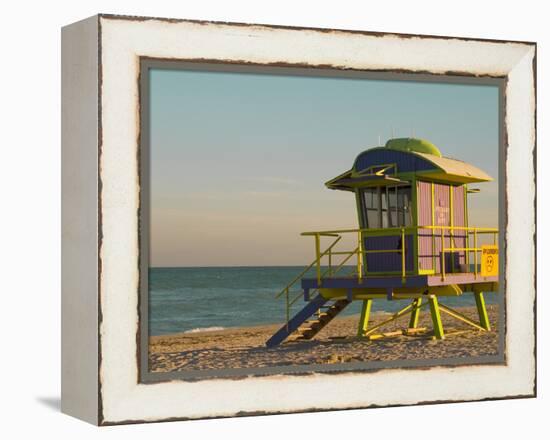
{"x":489,"y":260}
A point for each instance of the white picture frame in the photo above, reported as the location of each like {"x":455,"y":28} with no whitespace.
{"x":101,"y":57}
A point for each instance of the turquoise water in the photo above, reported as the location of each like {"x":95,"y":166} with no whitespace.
{"x":191,"y":298}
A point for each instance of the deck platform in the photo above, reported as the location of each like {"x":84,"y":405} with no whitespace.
{"x":421,"y":282}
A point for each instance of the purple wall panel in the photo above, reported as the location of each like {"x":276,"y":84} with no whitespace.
{"x":388,"y":261}
{"x":405,"y":161}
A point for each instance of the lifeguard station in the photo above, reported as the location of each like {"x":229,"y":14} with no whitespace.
{"x":414,"y":242}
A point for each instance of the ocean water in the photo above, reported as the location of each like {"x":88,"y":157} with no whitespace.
{"x":190,"y":299}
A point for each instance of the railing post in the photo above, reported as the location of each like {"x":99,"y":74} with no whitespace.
{"x":475,"y":253}
{"x":467,"y":253}
{"x":403,"y":265}
{"x":359,"y":255}
{"x":433,"y":250}
{"x":318,"y":257}
{"x":330,"y":261}
{"x":442,"y":254}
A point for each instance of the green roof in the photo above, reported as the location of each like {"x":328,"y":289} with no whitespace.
{"x":413,"y":145}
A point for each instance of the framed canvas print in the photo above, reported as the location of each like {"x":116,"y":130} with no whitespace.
{"x":263,"y":219}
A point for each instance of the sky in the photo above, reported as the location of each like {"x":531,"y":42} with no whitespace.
{"x":238,"y":161}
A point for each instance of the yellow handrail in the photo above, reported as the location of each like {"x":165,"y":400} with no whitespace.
{"x":289,"y":302}
{"x":460,"y":228}
{"x":344,"y":261}
{"x":289,"y":285}
{"x":360,"y":252}
{"x":336,"y":232}
{"x":363,"y":231}
{"x":318,"y":254}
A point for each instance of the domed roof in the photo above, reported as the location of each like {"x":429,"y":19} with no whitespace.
{"x":413,"y":145}
{"x":401,"y":158}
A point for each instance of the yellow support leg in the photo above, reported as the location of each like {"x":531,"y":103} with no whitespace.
{"x":364,"y":319}
{"x":436,"y":317}
{"x":482,"y":311}
{"x":413,"y":323}
{"x":459,"y":316}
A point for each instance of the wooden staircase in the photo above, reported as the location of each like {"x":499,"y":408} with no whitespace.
{"x":327,"y":313}
{"x":309,"y":321}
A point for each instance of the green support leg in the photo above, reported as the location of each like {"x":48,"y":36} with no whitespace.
{"x":436,"y":317}
{"x":413,"y":323}
{"x":482,"y":311}
{"x":364,"y":319}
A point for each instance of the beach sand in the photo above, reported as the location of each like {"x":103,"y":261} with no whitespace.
{"x":245,"y":347}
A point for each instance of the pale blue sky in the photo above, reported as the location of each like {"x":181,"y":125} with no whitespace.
{"x":239,"y":161}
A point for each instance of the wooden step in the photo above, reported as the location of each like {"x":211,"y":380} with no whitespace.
{"x":323,"y":319}
{"x":302,"y":329}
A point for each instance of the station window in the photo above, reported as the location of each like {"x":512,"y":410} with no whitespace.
{"x":387,"y":206}
{"x":371,"y":200}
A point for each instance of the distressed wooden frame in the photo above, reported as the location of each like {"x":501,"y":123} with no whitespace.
{"x":101,"y":201}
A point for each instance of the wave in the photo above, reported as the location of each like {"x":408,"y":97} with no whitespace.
{"x":204,"y":329}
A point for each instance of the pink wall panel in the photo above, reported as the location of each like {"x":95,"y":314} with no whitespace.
{"x":459,"y":219}
{"x":429,"y":246}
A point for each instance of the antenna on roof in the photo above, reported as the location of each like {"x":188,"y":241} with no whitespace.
{"x":392,"y":133}
{"x":379,"y":141}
